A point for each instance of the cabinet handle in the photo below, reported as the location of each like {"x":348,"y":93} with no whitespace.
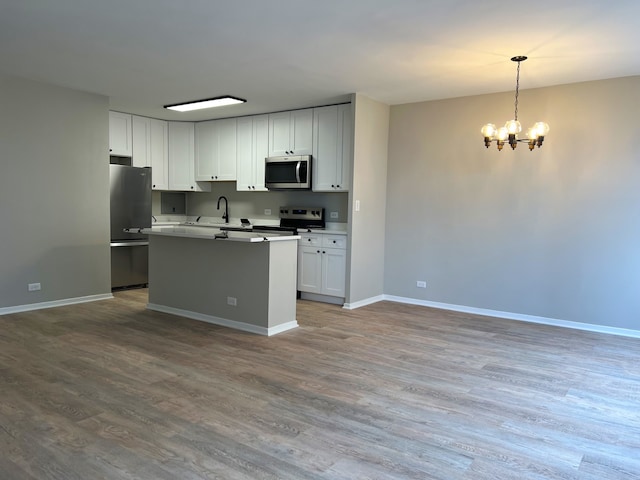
{"x":334,"y":241}
{"x":318,"y":251}
{"x":191,"y":187}
{"x":324,"y":251}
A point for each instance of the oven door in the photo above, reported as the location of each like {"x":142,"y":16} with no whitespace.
{"x":288,"y":173}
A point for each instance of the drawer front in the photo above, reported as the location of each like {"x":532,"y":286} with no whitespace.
{"x":334,"y":241}
{"x":310,"y":239}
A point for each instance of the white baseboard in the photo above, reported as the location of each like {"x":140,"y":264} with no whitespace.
{"x":54,"y":303}
{"x":223,"y":322}
{"x":364,"y":303}
{"x":624,"y":332}
{"x":316,"y":297}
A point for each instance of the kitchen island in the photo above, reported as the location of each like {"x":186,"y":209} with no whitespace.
{"x":242,"y":280}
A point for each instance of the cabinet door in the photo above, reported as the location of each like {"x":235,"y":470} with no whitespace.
{"x":141,"y":141}
{"x":225,"y":156}
{"x":301,"y":133}
{"x":334,"y":263}
{"x":332,"y":133}
{"x":252,"y":149}
{"x":309,"y":269}
{"x":327,"y":148}
{"x":279,"y":131}
{"x":159,"y":154}
{"x":120,"y":134}
{"x":181,"y":160}
{"x":260,"y":150}
{"x":343,"y":179}
{"x":215,"y":150}
{"x":244,"y":159}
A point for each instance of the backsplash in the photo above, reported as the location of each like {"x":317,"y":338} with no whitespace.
{"x":252,"y":205}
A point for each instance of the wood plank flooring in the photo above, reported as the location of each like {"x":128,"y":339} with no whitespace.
{"x":109,"y":390}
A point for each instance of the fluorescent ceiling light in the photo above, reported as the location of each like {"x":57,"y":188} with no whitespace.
{"x":208,"y":103}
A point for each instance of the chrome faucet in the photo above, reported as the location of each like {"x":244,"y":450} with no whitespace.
{"x":225,"y":215}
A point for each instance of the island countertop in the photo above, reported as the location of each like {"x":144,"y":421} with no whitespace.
{"x":208,"y":233}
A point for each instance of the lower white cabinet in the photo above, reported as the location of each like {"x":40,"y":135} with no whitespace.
{"x":322,"y":263}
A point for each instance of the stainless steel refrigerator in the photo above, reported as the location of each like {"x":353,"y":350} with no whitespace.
{"x":130,"y":209}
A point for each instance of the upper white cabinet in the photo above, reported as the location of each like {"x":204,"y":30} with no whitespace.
{"x":181,"y":158}
{"x":215,"y":155}
{"x":159,"y":156}
{"x":291,"y":133}
{"x":141,"y":143}
{"x":332,"y":148}
{"x":120,"y":134}
{"x":151,"y":149}
{"x":252,"y":149}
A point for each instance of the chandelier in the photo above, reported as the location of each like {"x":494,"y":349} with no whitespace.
{"x":509,"y":133}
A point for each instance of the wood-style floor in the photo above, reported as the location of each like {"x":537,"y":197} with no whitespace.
{"x":109,"y":390}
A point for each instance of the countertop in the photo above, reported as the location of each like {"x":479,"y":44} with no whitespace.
{"x":212,"y":232}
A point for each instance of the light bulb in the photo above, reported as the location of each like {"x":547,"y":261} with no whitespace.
{"x":542,"y":128}
{"x":503,"y":134}
{"x":513,"y":126}
{"x":488,"y":131}
{"x":532,"y":133}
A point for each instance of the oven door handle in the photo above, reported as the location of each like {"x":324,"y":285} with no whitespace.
{"x":298,"y":171}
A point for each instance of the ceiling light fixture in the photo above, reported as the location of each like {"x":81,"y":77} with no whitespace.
{"x":509,"y":133}
{"x":207,"y":103}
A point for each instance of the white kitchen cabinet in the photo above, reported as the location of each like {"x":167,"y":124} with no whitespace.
{"x":120,"y":134}
{"x":322,"y":262}
{"x":291,"y":133}
{"x":309,"y":269}
{"x":151,"y":149}
{"x":181,"y":158}
{"x":332,"y":148}
{"x":252,"y":149}
{"x":141,"y":141}
{"x":215,"y":155}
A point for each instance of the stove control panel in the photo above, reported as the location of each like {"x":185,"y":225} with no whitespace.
{"x":302,"y":213}
{"x":302,"y":217}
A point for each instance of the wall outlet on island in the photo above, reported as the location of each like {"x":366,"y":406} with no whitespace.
{"x":33,"y":287}
{"x":233,"y":301}
{"x":421,"y":284}
{"x":267,"y":211}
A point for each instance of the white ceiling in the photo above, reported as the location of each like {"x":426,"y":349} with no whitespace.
{"x":285,"y":54}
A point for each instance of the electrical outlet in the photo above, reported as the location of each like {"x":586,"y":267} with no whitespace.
{"x":33,"y":287}
{"x":334,"y":214}
{"x":233,"y":301}
{"x":421,"y":284}
{"x":267,"y":211}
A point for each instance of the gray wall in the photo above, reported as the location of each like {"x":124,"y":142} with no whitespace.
{"x":365,"y":278}
{"x":54,"y":193}
{"x":552,"y":233}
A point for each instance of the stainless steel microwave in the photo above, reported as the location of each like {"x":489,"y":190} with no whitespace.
{"x":292,"y":172}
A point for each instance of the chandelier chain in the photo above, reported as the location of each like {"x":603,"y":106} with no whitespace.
{"x":517,"y":91}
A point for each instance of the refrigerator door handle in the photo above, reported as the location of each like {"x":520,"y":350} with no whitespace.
{"x":129,"y":244}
